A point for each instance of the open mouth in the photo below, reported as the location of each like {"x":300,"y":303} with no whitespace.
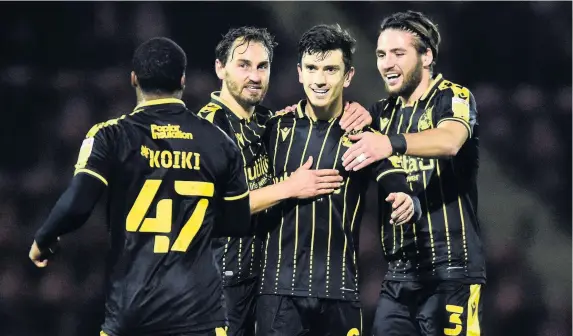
{"x":392,"y":78}
{"x":253,"y":88}
{"x":320,"y":92}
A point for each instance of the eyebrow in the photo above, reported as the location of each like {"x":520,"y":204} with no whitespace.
{"x":249,"y":62}
{"x":391,"y":50}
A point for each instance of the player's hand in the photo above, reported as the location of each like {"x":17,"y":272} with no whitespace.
{"x":306,"y":182}
{"x":402,"y":208}
{"x":369,"y":147}
{"x":355,"y":117}
{"x":287,"y":109}
{"x":40,"y":257}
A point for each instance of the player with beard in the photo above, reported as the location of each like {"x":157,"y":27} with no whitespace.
{"x":243,"y":61}
{"x":436,"y":266}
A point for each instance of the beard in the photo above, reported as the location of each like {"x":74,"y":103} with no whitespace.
{"x":411,"y":81}
{"x":247,"y":100}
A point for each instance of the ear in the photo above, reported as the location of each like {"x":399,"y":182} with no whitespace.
{"x":427,"y":58}
{"x":299,"y":69}
{"x":220,"y":69}
{"x":348,"y":77}
{"x":134,"y":82}
{"x":183,"y":80}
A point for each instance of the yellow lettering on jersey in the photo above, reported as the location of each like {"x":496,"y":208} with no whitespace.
{"x":416,"y":164}
{"x":171,"y":159}
{"x":258,"y":169}
{"x":169,"y":132}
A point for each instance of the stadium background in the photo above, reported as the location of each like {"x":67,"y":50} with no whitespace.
{"x":65,"y":66}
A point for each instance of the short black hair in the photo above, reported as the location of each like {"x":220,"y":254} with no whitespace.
{"x":324,"y":38}
{"x":248,"y":34}
{"x":159,"y":64}
{"x":425,"y":31}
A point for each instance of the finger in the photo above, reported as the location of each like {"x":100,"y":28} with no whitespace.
{"x":401,"y":208}
{"x":398,"y":201}
{"x":355,"y":122}
{"x":362,"y":122}
{"x":390,"y":197}
{"x":351,"y":118}
{"x":405,"y":217}
{"x":356,"y":137}
{"x":352,"y":150}
{"x":308,"y":163}
{"x":325,"y":191}
{"x":326,"y":172}
{"x":344,"y":114}
{"x":322,"y":186}
{"x":330,"y":179}
{"x":352,"y":153}
{"x":40,"y":264}
{"x":363,"y":164}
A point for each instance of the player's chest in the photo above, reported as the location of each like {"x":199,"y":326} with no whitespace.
{"x":406,"y":120}
{"x":294,"y":142}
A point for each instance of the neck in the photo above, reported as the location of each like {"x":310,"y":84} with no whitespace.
{"x":242,"y":111}
{"x":327,"y":112}
{"x":420,"y":89}
{"x":144,"y":97}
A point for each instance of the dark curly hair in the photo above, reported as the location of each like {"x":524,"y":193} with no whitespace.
{"x":159,"y":64}
{"x":425,"y":31}
{"x":324,"y":38}
{"x":247,"y":34}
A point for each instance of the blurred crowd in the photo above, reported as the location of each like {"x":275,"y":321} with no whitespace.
{"x":65,"y":66}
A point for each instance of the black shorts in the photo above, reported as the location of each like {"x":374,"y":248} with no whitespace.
{"x":279,"y":315}
{"x":240,"y":302}
{"x":215,"y":332}
{"x":428,"y":309}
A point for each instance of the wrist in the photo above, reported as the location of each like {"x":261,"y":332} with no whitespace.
{"x":286,"y":190}
{"x":398,"y":143}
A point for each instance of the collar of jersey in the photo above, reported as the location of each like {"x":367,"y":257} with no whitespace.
{"x":300,"y":112}
{"x":428,"y":90}
{"x":159,"y":102}
{"x":217,"y":96}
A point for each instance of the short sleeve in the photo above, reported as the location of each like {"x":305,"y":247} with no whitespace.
{"x":456,"y":104}
{"x":96,"y":153}
{"x":236,"y":186}
{"x":387,"y":167}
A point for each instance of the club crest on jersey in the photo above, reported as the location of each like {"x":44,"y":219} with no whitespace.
{"x":425,"y":121}
{"x":346,"y":142}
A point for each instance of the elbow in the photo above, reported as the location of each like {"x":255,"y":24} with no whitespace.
{"x":450,"y":149}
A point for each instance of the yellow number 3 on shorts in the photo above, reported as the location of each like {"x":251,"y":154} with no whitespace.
{"x":353,"y":332}
{"x":220,"y":332}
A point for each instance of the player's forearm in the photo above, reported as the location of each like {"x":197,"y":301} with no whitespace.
{"x":431,"y":143}
{"x":71,"y":210}
{"x":397,"y":183}
{"x":264,"y":198}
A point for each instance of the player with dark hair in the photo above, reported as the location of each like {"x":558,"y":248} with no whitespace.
{"x":309,"y":281}
{"x":173,"y":180}
{"x":436,"y":272}
{"x":243,"y":62}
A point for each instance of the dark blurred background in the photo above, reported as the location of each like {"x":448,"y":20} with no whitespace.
{"x":65,"y":66}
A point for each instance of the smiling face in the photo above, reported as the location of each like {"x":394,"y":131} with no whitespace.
{"x":323,"y":77}
{"x":399,"y":62}
{"x":246,"y":73}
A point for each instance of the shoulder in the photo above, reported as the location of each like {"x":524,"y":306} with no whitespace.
{"x":383,"y":106}
{"x":210,"y":111}
{"x":448,"y":89}
{"x":109,"y":127}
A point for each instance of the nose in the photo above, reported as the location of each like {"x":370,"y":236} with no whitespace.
{"x":320,"y":79}
{"x":254,"y":76}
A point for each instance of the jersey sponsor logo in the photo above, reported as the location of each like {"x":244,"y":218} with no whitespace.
{"x":171,"y":159}
{"x":257,"y":173}
{"x":169,"y":132}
